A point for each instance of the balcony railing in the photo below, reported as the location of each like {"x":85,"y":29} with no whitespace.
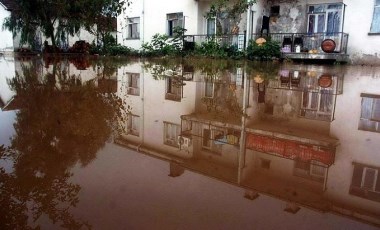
{"x":238,"y":40}
{"x":306,"y":41}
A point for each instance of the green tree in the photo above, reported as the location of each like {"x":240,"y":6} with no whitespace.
{"x":58,"y":18}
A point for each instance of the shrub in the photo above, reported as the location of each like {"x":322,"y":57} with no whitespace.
{"x":267,"y":51}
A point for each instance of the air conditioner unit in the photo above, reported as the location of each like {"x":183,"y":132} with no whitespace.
{"x":184,"y":142}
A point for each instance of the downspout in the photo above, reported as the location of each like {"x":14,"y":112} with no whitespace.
{"x":242,"y":152}
{"x":143,"y":109}
{"x":248,"y":29}
{"x":143,"y":22}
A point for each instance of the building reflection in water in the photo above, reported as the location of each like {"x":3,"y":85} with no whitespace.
{"x":278,"y":131}
{"x":307,"y":135}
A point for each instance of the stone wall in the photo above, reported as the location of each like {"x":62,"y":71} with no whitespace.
{"x":291,"y":17}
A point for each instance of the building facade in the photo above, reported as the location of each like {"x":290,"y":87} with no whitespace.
{"x":353,"y":26}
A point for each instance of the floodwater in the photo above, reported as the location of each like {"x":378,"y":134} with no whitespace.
{"x":106,"y":143}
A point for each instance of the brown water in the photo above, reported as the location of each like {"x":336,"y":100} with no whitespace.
{"x":188,"y":144}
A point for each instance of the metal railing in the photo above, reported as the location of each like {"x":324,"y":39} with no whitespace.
{"x":307,"y":41}
{"x":238,"y":40}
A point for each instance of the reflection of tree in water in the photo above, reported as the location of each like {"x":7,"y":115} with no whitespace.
{"x":56,"y":128}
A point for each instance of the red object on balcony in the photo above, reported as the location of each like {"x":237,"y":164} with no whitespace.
{"x":328,"y":45}
{"x":290,"y":149}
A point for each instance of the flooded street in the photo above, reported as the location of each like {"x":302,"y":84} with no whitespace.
{"x":101,"y":143}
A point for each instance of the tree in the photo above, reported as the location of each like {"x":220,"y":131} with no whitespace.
{"x":232,"y":10}
{"x":58,"y":18}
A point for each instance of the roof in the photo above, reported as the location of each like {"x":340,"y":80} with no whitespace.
{"x":9,"y":4}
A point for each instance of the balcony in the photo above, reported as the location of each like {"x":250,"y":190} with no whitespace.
{"x":309,"y":46}
{"x":297,"y":46}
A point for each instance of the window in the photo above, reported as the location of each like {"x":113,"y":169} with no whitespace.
{"x":213,"y":139}
{"x":370,"y":113}
{"x":221,"y":24}
{"x":173,"y":89}
{"x":365,"y":182}
{"x":375,"y":26}
{"x":133,"y":28}
{"x":209,"y":88}
{"x":171,"y":133}
{"x":325,"y":18}
{"x":265,"y":164}
{"x":174,"y":20}
{"x":314,"y":170}
{"x":133,"y":125}
{"x":133,"y":82}
{"x":211,"y":26}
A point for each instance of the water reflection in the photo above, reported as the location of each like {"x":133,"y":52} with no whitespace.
{"x":307,"y":135}
{"x":61,"y":121}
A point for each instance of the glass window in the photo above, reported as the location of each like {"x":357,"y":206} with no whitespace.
{"x":375,"y":26}
{"x":171,"y":133}
{"x":133,"y":28}
{"x":365,"y":182}
{"x":370,"y":113}
{"x":133,"y":81}
{"x":211,"y":26}
{"x":174,"y":20}
{"x":133,"y":124}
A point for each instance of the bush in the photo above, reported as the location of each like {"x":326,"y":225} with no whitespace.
{"x":266,"y":51}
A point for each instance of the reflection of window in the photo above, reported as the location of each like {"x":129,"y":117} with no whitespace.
{"x":219,"y":25}
{"x":173,"y":89}
{"x":213,"y":139}
{"x":264,"y":163}
{"x":370,"y":113}
{"x":365,"y":182}
{"x":325,"y":18}
{"x":174,"y":20}
{"x":133,"y":28}
{"x":171,"y":133}
{"x":317,"y":105}
{"x":133,"y":81}
{"x":209,"y":89}
{"x":313,"y":170}
{"x":375,"y":26}
{"x":133,"y":125}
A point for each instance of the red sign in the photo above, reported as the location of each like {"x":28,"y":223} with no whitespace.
{"x":290,"y":149}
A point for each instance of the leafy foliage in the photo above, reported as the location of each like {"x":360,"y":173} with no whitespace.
{"x":162,"y":44}
{"x":266,"y":51}
{"x":58,"y":18}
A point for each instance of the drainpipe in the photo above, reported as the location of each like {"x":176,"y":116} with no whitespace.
{"x":143,"y":21}
{"x":248,"y":30}
{"x":242,"y":151}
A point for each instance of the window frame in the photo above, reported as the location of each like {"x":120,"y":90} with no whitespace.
{"x":171,"y":140}
{"x":358,"y":186}
{"x":131,"y":122}
{"x":368,"y":120}
{"x":130,"y":23}
{"x":170,"y":19}
{"x":133,"y":89}
{"x":376,"y":10}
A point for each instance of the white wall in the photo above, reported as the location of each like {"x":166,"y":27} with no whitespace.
{"x":6,"y":41}
{"x":7,"y":67}
{"x":357,"y":24}
{"x":355,"y":145}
